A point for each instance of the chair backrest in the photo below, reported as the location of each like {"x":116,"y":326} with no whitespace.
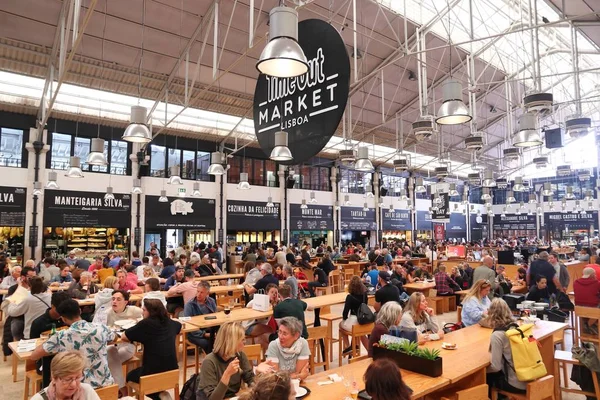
{"x":253,"y":352}
{"x":361,"y":330}
{"x":479,"y":392}
{"x":357,"y":359}
{"x":317,"y":332}
{"x":587,"y":312}
{"x":541,"y":389}
{"x":459,"y":314}
{"x":159,"y":382}
{"x":108,"y":393}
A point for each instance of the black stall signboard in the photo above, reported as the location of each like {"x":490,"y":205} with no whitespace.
{"x":514,"y":222}
{"x":180,"y":213}
{"x":314,"y":217}
{"x":457,"y":227}
{"x":12,"y":206}
{"x":572,"y":221}
{"x":423,"y":221}
{"x":357,"y":219}
{"x":397,"y":220}
{"x":308,"y":107}
{"x":442,"y":212}
{"x":479,"y":226}
{"x":86,"y":209}
{"x":252,"y":216}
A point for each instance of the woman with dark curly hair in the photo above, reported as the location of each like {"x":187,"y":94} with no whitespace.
{"x":357,"y":295}
{"x":381,"y":383}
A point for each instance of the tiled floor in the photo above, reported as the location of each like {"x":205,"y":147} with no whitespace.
{"x":13,"y":391}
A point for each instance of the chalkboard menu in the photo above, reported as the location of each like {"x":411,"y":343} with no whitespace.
{"x":397,"y":220}
{"x":457,"y":227}
{"x":180,"y":213}
{"x":64,"y":208}
{"x":12,"y":206}
{"x":423,"y":221}
{"x":314,"y":217}
{"x":252,"y":216}
{"x":514,"y":222}
{"x":357,"y":219}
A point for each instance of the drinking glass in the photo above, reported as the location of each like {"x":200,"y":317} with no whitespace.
{"x":533,"y":313}
{"x":227,"y":311}
{"x":350,"y":384}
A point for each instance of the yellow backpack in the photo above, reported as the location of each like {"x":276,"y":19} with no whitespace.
{"x":527,"y":360}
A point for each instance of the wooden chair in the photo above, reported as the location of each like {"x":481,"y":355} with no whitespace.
{"x":156,"y":383}
{"x":357,"y":332}
{"x":333,"y":284}
{"x":108,"y":393}
{"x":253,"y":352}
{"x":561,"y":360}
{"x":196,"y":364}
{"x":131,"y":364}
{"x":540,"y":389}
{"x":315,"y":335}
{"x":326,"y":315}
{"x":588,"y":313}
{"x":459,"y":315}
{"x":31,"y":379}
{"x":357,"y":359}
{"x":479,"y":392}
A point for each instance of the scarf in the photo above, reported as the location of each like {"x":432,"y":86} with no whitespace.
{"x":290,"y":352}
{"x":51,"y":392}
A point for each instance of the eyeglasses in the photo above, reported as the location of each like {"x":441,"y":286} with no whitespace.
{"x":68,"y":381}
{"x":280,"y":375}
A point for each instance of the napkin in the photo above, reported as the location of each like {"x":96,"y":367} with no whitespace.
{"x":26,"y":345}
{"x":335,"y":378}
{"x":325,"y":383}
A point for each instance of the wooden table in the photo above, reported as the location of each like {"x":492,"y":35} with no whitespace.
{"x":236,"y":315}
{"x":423,"y":287}
{"x":220,"y":277}
{"x":420,"y":384}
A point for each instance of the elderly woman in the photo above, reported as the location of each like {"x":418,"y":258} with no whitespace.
{"x":289,"y":352}
{"x":476,"y":303}
{"x":103,"y":299}
{"x":224,"y":370}
{"x":67,"y":370}
{"x":417,"y":316}
{"x":388,"y":316}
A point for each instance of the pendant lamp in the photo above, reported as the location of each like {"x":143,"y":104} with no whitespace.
{"x":109,"y":193}
{"x":74,"y":170}
{"x":163,"y":197}
{"x":369,"y":191}
{"x":174,"y":178}
{"x":96,"y":155}
{"x":510,"y":197}
{"x":337,"y":205}
{"x":518,"y":184}
{"x":381,"y":205}
{"x":569,"y":195}
{"x":453,"y":110}
{"x":37,"y":188}
{"x":452,"y":191}
{"x":403,"y":195}
{"x":137,"y":186}
{"x":196,"y":192}
{"x":281,"y":151}
{"x":527,"y":134}
{"x":547,"y":189}
{"x":363,"y":163}
{"x":488,"y":179}
{"x":347,"y":200}
{"x":270,"y":202}
{"x":137,"y":131}
{"x":419,"y":186}
{"x":52,"y":183}
{"x":216,"y":164}
{"x":303,"y":205}
{"x":243,"y":184}
{"x":365,"y":207}
{"x":313,"y":200}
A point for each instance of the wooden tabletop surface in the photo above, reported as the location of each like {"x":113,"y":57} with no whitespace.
{"x":236,"y":315}
{"x":219,"y":277}
{"x":419,"y":286}
{"x":420,"y":384}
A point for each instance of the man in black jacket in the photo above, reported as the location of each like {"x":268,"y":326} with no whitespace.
{"x":542,"y":267}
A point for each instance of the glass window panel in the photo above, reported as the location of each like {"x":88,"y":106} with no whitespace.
{"x":314,"y":178}
{"x":258,"y":176}
{"x":271,"y":168}
{"x":324,"y":182}
{"x":11,"y":147}
{"x":305,"y":177}
{"x":174,"y":157}
{"x":102,"y":168}
{"x":118,"y":157}
{"x":235,"y":165}
{"x":157,"y":161}
{"x":82,"y":149}
{"x":202,"y":164}
{"x":60,"y":151}
{"x":187,"y":168}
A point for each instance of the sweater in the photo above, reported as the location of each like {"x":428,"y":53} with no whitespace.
{"x":209,"y":379}
{"x":88,"y":393}
{"x":378,"y":331}
{"x":587,"y":292}
{"x":32,"y":307}
{"x":473,"y":309}
{"x":187,"y":289}
{"x":428,"y":324}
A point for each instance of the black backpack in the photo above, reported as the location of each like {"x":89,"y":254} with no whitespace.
{"x":188,"y":391}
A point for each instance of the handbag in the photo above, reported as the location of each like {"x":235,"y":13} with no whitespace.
{"x":364,"y":315}
{"x":586,"y":354}
{"x":563,"y":301}
{"x":260,"y":302}
{"x":451,"y":327}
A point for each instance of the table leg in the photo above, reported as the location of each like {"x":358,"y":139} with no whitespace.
{"x":15,"y":363}
{"x":426,"y":293}
{"x":184,"y":356}
{"x":316,"y":324}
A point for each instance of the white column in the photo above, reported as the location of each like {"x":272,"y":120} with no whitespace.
{"x":376,"y":178}
{"x":284,"y":221}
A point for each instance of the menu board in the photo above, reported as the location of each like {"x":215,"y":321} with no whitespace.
{"x":423,"y":221}
{"x":12,"y":206}
{"x":397,"y":220}
{"x":180,"y":213}
{"x":358,"y":219}
{"x":63,"y":208}
{"x":313,"y":217}
{"x":252,"y":216}
{"x":514,"y":222}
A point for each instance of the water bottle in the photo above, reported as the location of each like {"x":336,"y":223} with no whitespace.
{"x":229,"y":282}
{"x":368,"y":279}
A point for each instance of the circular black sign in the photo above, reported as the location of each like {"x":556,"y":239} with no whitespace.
{"x":309,"y":107}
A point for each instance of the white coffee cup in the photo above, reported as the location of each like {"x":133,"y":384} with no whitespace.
{"x":296,"y":383}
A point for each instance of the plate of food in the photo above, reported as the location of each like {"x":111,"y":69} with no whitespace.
{"x":125,"y":323}
{"x":448,"y":346}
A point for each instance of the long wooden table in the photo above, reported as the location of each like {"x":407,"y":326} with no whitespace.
{"x":423,"y":287}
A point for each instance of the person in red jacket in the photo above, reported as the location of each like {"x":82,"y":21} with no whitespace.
{"x":587,"y":294}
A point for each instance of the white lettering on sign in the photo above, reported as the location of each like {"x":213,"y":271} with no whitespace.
{"x":233,"y":208}
{"x":358,"y":214}
{"x":87,"y":201}
{"x":312,"y":211}
{"x":7,"y":198}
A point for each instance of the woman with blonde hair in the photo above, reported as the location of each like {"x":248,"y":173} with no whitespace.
{"x":224,"y":370}
{"x":276,"y":386}
{"x":476,"y":303}
{"x":388,"y":316}
{"x":67,"y":371}
{"x":499,"y":373}
{"x":417,"y":316}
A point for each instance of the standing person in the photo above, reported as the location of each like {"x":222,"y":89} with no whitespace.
{"x":383,"y":381}
{"x":476,"y":302}
{"x":542,"y":267}
{"x":387,"y":291}
{"x":202,"y":304}
{"x":91,"y":339}
{"x":486,"y":273}
{"x":157,"y":332}
{"x":417,"y":316}
{"x":560,"y":270}
{"x":357,"y":295}
{"x":290,"y":279}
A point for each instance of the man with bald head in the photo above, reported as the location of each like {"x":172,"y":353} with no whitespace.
{"x":486,"y":273}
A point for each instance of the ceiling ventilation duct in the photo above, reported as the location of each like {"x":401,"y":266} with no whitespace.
{"x":584,"y":175}
{"x":512,"y":154}
{"x":474,"y":142}
{"x":474,"y":179}
{"x":501,"y":183}
{"x":541,"y":161}
{"x":423,"y":128}
{"x":402,"y":163}
{"x":578,"y":126}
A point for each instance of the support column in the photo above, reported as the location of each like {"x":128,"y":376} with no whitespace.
{"x":376,"y":180}
{"x":36,"y":171}
{"x":221,"y":209}
{"x":138,"y":204}
{"x":335,"y":189}
{"x":283,"y":205}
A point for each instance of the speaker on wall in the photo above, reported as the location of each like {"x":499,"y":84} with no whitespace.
{"x":383,"y":192}
{"x":554,"y":138}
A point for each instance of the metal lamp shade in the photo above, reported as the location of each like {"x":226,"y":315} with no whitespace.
{"x":485,"y":194}
{"x":518,"y":185}
{"x":137,"y":186}
{"x":403,"y":195}
{"x":313,"y":199}
{"x":196,"y":192}
{"x":174,"y":178}
{"x":216,"y":164}
{"x":419,"y":186}
{"x":501,"y":183}
{"x":52,"y":177}
{"x":588,"y":195}
{"x":163,"y":197}
{"x":337,"y":205}
{"x":453,"y":110}
{"x":270,"y":202}
{"x":243,"y":184}
{"x":96,"y":156}
{"x":510,"y":197}
{"x":381,"y":205}
{"x":282,"y":56}
{"x":74,"y":170}
{"x":365,"y":207}
{"x":527,"y":134}
{"x":369,"y":191}
{"x":455,"y":210}
{"x":547,"y":189}
{"x":532,"y":198}
{"x":109,"y":193}
{"x":347,"y":200}
{"x":363,"y":163}
{"x":569,"y":195}
{"x":281,"y":151}
{"x":453,"y":192}
{"x":303,"y":205}
{"x":409,"y":204}
{"x":137,"y":131}
{"x":465,"y":199}
{"x":37,"y":188}
{"x":488,"y":179}
{"x":391,"y":209}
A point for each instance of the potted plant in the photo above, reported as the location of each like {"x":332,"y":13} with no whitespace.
{"x":407,"y":355}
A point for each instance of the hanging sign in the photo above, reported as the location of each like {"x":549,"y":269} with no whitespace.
{"x":180,"y":213}
{"x":572,"y":221}
{"x":442,"y":213}
{"x":423,"y":220}
{"x":252,"y":216}
{"x":12,"y":206}
{"x":357,"y":219}
{"x":514,"y":222}
{"x":397,"y":220}
{"x":457,"y":227}
{"x":308,"y":107}
{"x":314,"y":217}
{"x":63,"y":208}
{"x":439,"y":231}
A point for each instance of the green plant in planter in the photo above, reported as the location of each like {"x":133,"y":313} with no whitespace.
{"x":412,"y":349}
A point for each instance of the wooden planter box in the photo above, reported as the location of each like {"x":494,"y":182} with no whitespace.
{"x":410,"y":363}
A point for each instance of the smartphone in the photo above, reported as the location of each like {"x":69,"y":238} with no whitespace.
{"x":210,"y":317}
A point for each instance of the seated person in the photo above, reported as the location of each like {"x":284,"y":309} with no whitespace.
{"x":444,"y":284}
{"x":63,"y":277}
{"x":227,"y":367}
{"x":177,"y":277}
{"x":187,"y":289}
{"x":388,"y":316}
{"x":260,"y":329}
{"x":587,"y":289}
{"x":423,"y":273}
{"x":270,"y":387}
{"x":202,"y":304}
{"x":289,"y":307}
{"x":152,"y":289}
{"x":168,"y":269}
{"x":499,"y":373}
{"x":289,"y":352}
{"x":417,"y":316}
{"x":206,"y":268}
{"x":67,"y":368}
{"x":35,"y":304}
{"x":387,"y":291}
{"x":266,"y":271}
{"x":321,"y":280}
{"x":357,"y":295}
{"x":371,"y":276}
{"x":383,"y":381}
{"x":539,"y":292}
{"x":476,"y":303}
{"x":82,"y":286}
{"x":124,"y":283}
